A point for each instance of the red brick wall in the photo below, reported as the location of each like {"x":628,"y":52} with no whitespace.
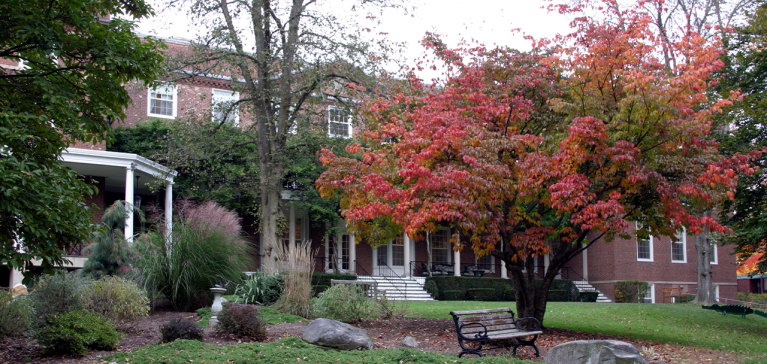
{"x":96,"y":199}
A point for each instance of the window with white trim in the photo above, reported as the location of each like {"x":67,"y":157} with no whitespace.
{"x":649,"y":295}
{"x":339,"y":122}
{"x":713,"y":257}
{"x":487,"y":263}
{"x":644,"y":247}
{"x":224,"y":108}
{"x":163,"y":101}
{"x":440,"y":246}
{"x":679,"y":247}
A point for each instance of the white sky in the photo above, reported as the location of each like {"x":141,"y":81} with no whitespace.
{"x":487,"y":21}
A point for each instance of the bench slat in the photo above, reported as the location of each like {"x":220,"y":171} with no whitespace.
{"x":485,"y":317}
{"x":477,"y":312}
{"x":499,"y":321}
{"x":512,"y":335}
{"x":490,"y":329}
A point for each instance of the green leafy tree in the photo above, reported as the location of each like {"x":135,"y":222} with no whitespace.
{"x":744,"y":126}
{"x":65,"y":86}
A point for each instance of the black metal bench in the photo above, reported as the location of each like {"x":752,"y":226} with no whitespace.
{"x":475,"y":328}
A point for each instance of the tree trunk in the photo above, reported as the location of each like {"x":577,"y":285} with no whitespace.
{"x":271,"y":195}
{"x":704,"y":250}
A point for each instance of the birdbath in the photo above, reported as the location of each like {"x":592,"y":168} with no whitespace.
{"x":216,"y":308}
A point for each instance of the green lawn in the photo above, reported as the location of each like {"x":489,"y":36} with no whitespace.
{"x":288,"y":350}
{"x":683,"y":324}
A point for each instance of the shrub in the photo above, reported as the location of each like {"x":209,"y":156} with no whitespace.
{"x":76,"y":331}
{"x":180,"y":329}
{"x":56,"y":294}
{"x":558,"y":295}
{"x":15,"y":314}
{"x":431,"y":288}
{"x":321,"y":280}
{"x":481,"y":294}
{"x":503,"y":288}
{"x":629,"y":291}
{"x":757,"y":298}
{"x":119,"y":300}
{"x":453,"y":295}
{"x":509,"y":294}
{"x":241,"y":320}
{"x":261,"y":288}
{"x":344,"y":302}
{"x":206,"y":241}
{"x":109,"y":250}
{"x":588,"y":296}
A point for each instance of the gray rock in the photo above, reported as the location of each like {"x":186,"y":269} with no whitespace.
{"x":594,"y":352}
{"x":336,"y":334}
{"x":409,"y":342}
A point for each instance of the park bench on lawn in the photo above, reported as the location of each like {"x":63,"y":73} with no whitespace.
{"x":476,"y":328}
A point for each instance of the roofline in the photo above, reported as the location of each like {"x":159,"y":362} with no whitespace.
{"x":117,"y":159}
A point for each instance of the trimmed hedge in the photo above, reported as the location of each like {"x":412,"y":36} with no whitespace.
{"x":321,"y":280}
{"x":481,"y":294}
{"x":502,"y":289}
{"x":589,"y":296}
{"x":453,"y":295}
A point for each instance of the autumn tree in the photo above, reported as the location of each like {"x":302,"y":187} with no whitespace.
{"x":545,"y":152}
{"x":61,"y":81}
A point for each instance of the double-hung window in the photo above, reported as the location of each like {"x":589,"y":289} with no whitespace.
{"x":714,"y":259}
{"x":163,"y":101}
{"x":440,"y":246}
{"x":339,"y":122}
{"x":679,"y":247}
{"x":224,"y":107}
{"x":644,"y":246}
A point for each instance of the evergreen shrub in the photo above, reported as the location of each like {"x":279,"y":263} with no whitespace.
{"x":241,"y":320}
{"x":119,"y":300}
{"x":481,"y":294}
{"x":630,"y":291}
{"x":321,"y":280}
{"x":180,"y":329}
{"x":344,"y":302}
{"x":15,"y":314}
{"x":56,"y":294}
{"x":589,"y":296}
{"x":453,"y":295}
{"x":77,"y":331}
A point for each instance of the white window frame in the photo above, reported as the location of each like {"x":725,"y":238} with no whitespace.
{"x":350,"y":131}
{"x":218,"y":95}
{"x":169,"y":88}
{"x":715,"y":255}
{"x":650,"y":241}
{"x":492,"y":263}
{"x":684,"y":246}
{"x":651,"y":291}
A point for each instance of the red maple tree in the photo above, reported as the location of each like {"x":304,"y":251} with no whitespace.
{"x":542,"y":152}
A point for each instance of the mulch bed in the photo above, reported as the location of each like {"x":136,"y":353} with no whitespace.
{"x":434,"y":335}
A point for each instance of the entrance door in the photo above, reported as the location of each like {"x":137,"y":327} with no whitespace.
{"x":338,"y":255}
{"x":390,"y":258}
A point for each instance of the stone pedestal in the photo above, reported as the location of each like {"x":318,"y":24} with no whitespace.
{"x":216,"y":307}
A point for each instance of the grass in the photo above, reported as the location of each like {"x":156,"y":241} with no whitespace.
{"x":269,"y":315}
{"x":282,"y":351}
{"x":682,"y":324}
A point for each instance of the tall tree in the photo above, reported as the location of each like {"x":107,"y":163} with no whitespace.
{"x":61,"y":82}
{"x":290,"y":58}
{"x":744,"y":126}
{"x":545,"y":153}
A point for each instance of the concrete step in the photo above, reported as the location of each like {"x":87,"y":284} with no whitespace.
{"x":585,"y":286}
{"x":399,"y":289}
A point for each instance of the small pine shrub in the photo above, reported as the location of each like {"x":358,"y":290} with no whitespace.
{"x":180,"y":329}
{"x":15,"y":314}
{"x":261,"y":288}
{"x":344,"y":302}
{"x":77,"y":331}
{"x":431,"y":288}
{"x":118,"y":299}
{"x":56,"y":294}
{"x":241,"y":320}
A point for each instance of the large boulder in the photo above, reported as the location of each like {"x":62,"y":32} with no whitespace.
{"x":336,"y":334}
{"x":594,"y":352}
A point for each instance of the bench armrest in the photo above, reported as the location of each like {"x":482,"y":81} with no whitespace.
{"x":530,"y":323}
{"x":480,"y":336}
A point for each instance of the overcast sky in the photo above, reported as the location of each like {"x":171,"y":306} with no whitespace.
{"x":487,"y":21}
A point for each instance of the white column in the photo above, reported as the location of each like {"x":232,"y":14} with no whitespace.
{"x":16,"y":277}
{"x":292,"y":225}
{"x":406,"y":246}
{"x":168,"y":210}
{"x":352,"y":253}
{"x":545,"y":263}
{"x":504,"y":272}
{"x":129,"y":202}
{"x":585,"y":264}
{"x":457,"y":263}
{"x":326,"y":264}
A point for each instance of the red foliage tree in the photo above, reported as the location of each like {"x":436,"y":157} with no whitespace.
{"x":544,"y":152}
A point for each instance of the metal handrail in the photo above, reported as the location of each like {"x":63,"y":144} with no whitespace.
{"x":359,"y":269}
{"x":569,"y":273}
{"x":743,"y":303}
{"x":389,"y":276}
